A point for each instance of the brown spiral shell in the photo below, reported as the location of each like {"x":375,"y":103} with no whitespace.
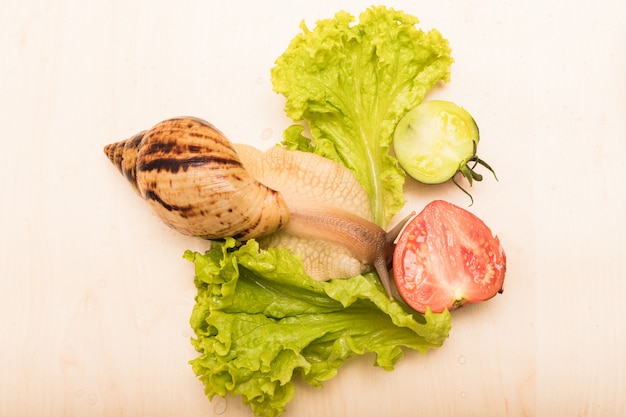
{"x":193,"y":179}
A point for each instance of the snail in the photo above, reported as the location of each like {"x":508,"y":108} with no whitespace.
{"x":199,"y":183}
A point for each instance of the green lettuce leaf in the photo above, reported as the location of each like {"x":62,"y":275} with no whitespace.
{"x":352,"y":83}
{"x":260,"y":320}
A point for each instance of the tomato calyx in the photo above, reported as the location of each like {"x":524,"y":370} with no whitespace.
{"x":470,"y":174}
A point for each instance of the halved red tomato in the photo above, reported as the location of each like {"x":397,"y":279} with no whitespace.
{"x":447,"y":257}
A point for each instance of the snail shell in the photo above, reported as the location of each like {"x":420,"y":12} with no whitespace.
{"x":191,"y":176}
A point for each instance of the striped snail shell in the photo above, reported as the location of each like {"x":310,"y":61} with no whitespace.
{"x":193,"y":179}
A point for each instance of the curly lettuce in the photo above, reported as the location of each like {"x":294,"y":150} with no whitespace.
{"x":260,"y":321}
{"x":352,"y":83}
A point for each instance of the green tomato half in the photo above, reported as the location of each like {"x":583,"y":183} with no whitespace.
{"x":435,"y":140}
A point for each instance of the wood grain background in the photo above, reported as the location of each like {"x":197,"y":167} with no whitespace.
{"x":95,"y":297}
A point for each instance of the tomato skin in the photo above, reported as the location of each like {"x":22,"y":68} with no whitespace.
{"x":446,"y":257}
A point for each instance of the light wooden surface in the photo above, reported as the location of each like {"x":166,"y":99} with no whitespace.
{"x":95,"y":296}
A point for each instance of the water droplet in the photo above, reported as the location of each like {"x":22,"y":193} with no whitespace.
{"x":259,"y":80}
{"x":103,"y":283}
{"x":267,"y":133}
{"x":79,"y":393}
{"x":219,"y":405}
{"x":463,"y":394}
{"x":92,"y":399}
{"x":461,"y":360}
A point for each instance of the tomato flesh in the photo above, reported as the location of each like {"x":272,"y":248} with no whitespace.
{"x":447,"y":257}
{"x":435,"y":140}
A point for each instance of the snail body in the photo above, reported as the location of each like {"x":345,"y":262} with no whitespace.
{"x":199,"y":183}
